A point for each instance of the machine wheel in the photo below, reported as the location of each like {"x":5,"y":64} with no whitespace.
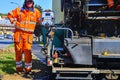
{"x":112,"y":76}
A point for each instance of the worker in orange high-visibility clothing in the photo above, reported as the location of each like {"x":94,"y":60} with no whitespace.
{"x":110,"y":3}
{"x":24,"y":19}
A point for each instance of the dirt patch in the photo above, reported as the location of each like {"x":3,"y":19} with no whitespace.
{"x":11,"y":50}
{"x":14,"y":77}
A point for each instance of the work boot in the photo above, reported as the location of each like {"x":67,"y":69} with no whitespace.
{"x":19,"y":70}
{"x":27,"y":70}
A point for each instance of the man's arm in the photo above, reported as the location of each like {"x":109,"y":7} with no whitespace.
{"x":12,"y":16}
{"x":38,"y":16}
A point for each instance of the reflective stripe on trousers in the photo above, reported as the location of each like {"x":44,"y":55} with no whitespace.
{"x":28,"y":65}
{"x":18,"y":64}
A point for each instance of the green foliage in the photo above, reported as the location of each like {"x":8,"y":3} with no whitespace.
{"x":12,"y":45}
{"x":1,"y":14}
{"x":38,"y":7}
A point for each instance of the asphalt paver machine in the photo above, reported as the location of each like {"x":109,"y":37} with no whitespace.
{"x":90,"y":41}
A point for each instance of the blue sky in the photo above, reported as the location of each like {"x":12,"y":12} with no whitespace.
{"x":6,"y":5}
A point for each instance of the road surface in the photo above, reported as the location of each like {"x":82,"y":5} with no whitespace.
{"x":5,"y":43}
{"x":36,"y":50}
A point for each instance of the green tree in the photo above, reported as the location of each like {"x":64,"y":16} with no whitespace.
{"x":1,"y":14}
{"x":38,"y":7}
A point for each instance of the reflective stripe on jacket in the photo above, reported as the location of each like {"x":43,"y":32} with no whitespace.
{"x":23,"y":19}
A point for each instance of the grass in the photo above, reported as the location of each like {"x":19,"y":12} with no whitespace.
{"x":7,"y":62}
{"x":12,"y":45}
{"x":7,"y":67}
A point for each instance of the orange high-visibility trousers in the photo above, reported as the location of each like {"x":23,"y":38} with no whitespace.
{"x":23,"y":42}
{"x":110,"y":3}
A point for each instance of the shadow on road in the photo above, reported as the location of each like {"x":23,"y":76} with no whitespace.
{"x":39,"y":71}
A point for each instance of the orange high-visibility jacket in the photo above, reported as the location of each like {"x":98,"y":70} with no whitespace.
{"x":110,"y":3}
{"x":23,"y":19}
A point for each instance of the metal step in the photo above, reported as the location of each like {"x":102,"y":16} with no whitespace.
{"x":88,"y":77}
{"x":73,"y":78}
